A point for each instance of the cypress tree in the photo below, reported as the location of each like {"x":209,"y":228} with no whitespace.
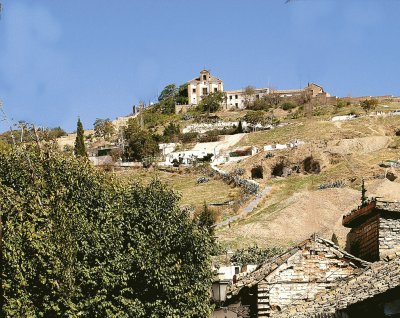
{"x":239,"y":129}
{"x":80,"y":149}
{"x":364,"y":197}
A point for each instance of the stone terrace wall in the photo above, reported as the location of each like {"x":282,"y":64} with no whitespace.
{"x":389,"y":236}
{"x":363,"y":240}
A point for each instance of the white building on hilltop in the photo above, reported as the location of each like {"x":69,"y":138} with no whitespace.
{"x":202,"y":86}
{"x":237,"y":99}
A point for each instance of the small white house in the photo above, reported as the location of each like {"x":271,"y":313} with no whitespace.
{"x":185,"y":157}
{"x":291,"y":144}
{"x":227,"y":274}
{"x":168,"y":148}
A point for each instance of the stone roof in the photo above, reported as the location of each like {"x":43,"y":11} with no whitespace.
{"x":273,"y":263}
{"x":376,"y":279}
{"x":372,"y":207}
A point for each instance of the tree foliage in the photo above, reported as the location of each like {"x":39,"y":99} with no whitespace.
{"x":141,"y":143}
{"x":248,"y":96}
{"x":212,"y":102}
{"x":80,"y":148}
{"x":24,"y":133}
{"x":103,"y":128}
{"x":182,"y":97}
{"x":254,"y":255}
{"x":77,"y":243}
{"x":169,"y":91}
{"x":171,"y":132}
{"x":369,"y":104}
{"x":255,"y":117}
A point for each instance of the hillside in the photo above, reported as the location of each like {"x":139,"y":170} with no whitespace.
{"x":295,"y":208}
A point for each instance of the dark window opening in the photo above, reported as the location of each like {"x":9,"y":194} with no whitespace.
{"x":257,"y":172}
{"x":194,"y":90}
{"x":215,"y":89}
{"x":204,"y":77}
{"x":205,"y":91}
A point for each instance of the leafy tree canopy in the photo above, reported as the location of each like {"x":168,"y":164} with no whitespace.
{"x":141,"y":143}
{"x":169,"y":91}
{"x":254,"y":255}
{"x":369,"y":104}
{"x":212,"y":102}
{"x":103,"y":128}
{"x":77,"y":243}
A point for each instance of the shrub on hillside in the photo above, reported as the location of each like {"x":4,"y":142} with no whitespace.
{"x":189,"y":137}
{"x":209,"y":136}
{"x":288,"y":106}
{"x":254,"y":255}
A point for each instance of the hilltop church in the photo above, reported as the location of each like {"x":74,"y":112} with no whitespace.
{"x":206,"y":84}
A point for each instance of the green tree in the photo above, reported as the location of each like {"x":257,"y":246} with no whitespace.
{"x":239,"y":128}
{"x":182,"y":96}
{"x":169,"y":91}
{"x":369,"y":104}
{"x":80,"y":148}
{"x":141,"y":143}
{"x":103,"y":128}
{"x":364,"y":196}
{"x":207,"y":219}
{"x":212,"y":102}
{"x":171,"y":132}
{"x":255,"y":117}
{"x":78,"y":243}
{"x":254,"y":255}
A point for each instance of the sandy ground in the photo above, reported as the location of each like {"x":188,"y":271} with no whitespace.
{"x":306,"y":213}
{"x":358,"y":145}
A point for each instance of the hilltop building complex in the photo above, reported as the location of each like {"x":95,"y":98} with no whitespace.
{"x":206,"y":84}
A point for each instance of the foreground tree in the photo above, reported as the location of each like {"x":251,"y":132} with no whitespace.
{"x":80,"y":148}
{"x":77,"y":243}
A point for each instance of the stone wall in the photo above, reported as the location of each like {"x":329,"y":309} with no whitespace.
{"x":310,"y":271}
{"x":389,"y":236}
{"x":362,"y":241}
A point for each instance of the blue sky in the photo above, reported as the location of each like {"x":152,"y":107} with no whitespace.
{"x":64,"y":59}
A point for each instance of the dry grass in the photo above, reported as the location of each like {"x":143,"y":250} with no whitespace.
{"x":214,"y":191}
{"x":316,"y":130}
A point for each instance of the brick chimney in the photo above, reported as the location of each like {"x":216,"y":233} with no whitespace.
{"x":375,"y":230}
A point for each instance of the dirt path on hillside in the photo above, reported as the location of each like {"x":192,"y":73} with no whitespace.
{"x":247,"y":209}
